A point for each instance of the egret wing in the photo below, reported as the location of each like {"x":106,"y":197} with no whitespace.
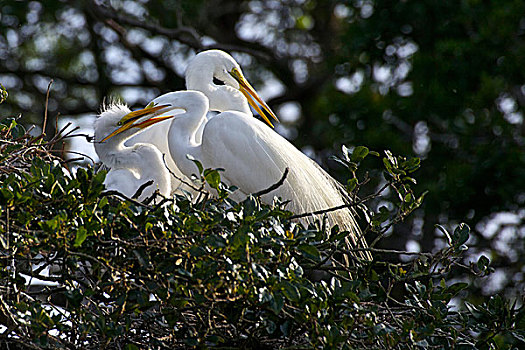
{"x":242,"y":146}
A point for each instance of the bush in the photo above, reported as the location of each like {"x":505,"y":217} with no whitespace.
{"x":83,"y":267}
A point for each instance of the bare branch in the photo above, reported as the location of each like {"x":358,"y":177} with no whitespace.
{"x":274,"y":186}
{"x":45,"y":111}
{"x":141,"y":189}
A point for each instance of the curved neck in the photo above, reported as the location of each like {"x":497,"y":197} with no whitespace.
{"x":110,"y":151}
{"x":183,"y":134}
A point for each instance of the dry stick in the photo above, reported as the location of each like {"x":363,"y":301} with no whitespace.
{"x":274,"y":186}
{"x":142,"y":188}
{"x":56,"y":122}
{"x":89,"y":138}
{"x":117,"y":193}
{"x":69,"y":132}
{"x":45,"y":110}
{"x":324,"y":211}
{"x":387,"y":251}
{"x":343,"y":206}
{"x":178,"y":178}
{"x":84,"y":156}
{"x":58,"y":134}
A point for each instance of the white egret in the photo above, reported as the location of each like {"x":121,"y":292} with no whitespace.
{"x":253,"y":155}
{"x":204,"y":70}
{"x":129,"y":167}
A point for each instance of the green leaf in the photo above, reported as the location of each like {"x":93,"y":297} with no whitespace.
{"x":276,"y":302}
{"x":240,"y":239}
{"x":390,"y":158}
{"x":351,"y":184}
{"x":197,"y":163}
{"x":74,"y":297}
{"x":131,"y":347}
{"x":3,"y":94}
{"x":359,"y":153}
{"x":456,"y":288}
{"x":460,"y":235}
{"x":5,"y":196}
{"x":388,"y":166}
{"x":309,"y":251}
{"x":411,"y":165}
{"x":103,"y":202}
{"x":290,"y":291}
{"x":483,"y":263}
{"x":345,"y":153}
{"x":80,"y":237}
{"x":213,"y":178}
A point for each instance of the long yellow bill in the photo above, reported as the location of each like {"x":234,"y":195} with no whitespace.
{"x":127,"y":122}
{"x":251,"y":95}
{"x":149,"y":109}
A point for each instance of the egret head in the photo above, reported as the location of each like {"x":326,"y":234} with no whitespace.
{"x":135,"y":120}
{"x":167,"y":106}
{"x":215,"y":70}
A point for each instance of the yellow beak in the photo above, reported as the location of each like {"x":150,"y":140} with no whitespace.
{"x":128,"y":121}
{"x":251,"y":95}
{"x":149,"y":109}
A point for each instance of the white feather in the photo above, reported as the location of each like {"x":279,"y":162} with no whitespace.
{"x":129,"y":167}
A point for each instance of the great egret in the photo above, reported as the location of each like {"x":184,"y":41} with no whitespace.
{"x":130,"y":167}
{"x":253,"y":155}
{"x":207,"y":72}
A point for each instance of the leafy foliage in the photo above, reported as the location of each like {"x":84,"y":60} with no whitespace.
{"x":82,"y":268}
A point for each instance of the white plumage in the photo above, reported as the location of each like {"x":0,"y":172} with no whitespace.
{"x":129,"y":167}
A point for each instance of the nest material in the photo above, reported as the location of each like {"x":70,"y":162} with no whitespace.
{"x":18,"y":147}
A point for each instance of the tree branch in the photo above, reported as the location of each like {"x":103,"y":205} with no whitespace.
{"x":274,"y":186}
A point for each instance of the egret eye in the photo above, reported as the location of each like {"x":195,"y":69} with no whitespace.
{"x":218,"y":81}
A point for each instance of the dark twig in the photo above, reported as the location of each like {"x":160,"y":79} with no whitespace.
{"x":117,"y":193}
{"x":58,"y":136}
{"x":386,"y":251}
{"x":343,"y":206}
{"x":45,"y":110}
{"x":141,"y":189}
{"x":274,"y":186}
{"x":324,"y":211}
{"x":179,"y":178}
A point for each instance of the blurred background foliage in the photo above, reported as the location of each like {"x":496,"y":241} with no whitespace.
{"x":440,"y":80}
